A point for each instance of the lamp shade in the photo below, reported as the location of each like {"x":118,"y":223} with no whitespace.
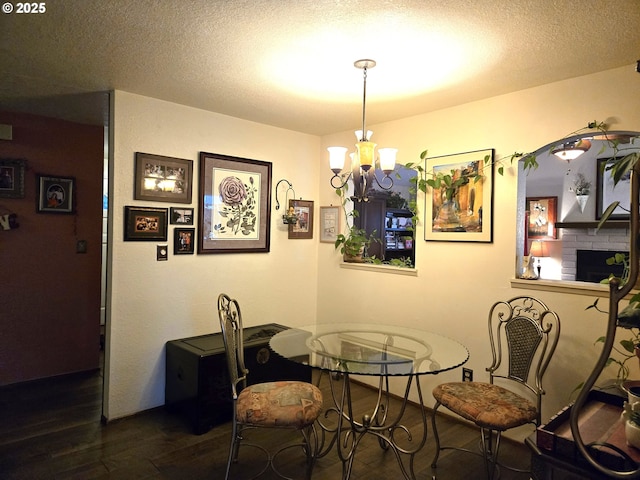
{"x":539,"y":249}
{"x":336,"y":158}
{"x":387,"y":159}
{"x":365,"y":154}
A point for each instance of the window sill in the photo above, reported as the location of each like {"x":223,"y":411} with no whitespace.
{"x":565,"y":286}
{"x":411,"y":272}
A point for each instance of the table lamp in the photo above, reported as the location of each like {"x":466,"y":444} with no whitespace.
{"x":538,"y":250}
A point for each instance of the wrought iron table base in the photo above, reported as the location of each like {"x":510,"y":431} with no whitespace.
{"x":347,"y":433}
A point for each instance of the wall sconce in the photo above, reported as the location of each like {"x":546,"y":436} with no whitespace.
{"x":363,"y":159}
{"x":289,"y":217}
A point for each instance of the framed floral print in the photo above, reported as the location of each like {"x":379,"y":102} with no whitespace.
{"x":234,"y":214}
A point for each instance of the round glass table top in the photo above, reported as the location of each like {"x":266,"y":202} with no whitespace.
{"x":369,"y":349}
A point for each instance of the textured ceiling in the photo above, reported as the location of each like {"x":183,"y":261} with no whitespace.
{"x":289,"y":63}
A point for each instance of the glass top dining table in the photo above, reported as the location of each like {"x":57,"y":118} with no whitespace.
{"x":375,"y":350}
{"x":370,"y":349}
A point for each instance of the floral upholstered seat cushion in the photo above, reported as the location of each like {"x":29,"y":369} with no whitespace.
{"x":279,"y":404}
{"x":485,"y":404}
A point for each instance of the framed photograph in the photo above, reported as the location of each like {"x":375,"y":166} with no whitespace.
{"x":163,"y":179}
{"x":12,"y":178}
{"x":181,"y":216}
{"x":303,"y":228}
{"x":329,"y":224}
{"x":607,"y":192}
{"x":145,"y":224}
{"x":542,"y":214}
{"x":55,"y":194}
{"x":235,"y":204}
{"x":461,"y":209}
{"x":183,"y":241}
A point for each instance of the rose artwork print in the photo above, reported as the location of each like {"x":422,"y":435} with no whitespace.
{"x":235,"y":212}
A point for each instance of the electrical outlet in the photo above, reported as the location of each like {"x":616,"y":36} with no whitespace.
{"x":467,"y":375}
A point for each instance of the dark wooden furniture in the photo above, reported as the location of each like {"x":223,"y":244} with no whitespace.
{"x":554,"y":453}
{"x":197,"y":382}
{"x":393,"y":227}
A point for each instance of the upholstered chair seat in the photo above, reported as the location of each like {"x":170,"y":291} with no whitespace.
{"x":279,"y":404}
{"x":487,"y":405}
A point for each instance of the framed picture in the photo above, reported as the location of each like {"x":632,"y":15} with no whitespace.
{"x":608,"y":192}
{"x":542,"y":218}
{"x":12,"y":178}
{"x":163,"y":179}
{"x":461,"y":209}
{"x":183,"y":241}
{"x":145,"y":224}
{"x":181,"y":216}
{"x":235,"y":204}
{"x":303,"y":228}
{"x":55,"y":194}
{"x":329,"y":224}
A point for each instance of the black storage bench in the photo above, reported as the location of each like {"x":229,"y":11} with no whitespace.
{"x":197,"y":382}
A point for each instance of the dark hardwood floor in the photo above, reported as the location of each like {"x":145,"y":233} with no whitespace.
{"x":50,"y":429}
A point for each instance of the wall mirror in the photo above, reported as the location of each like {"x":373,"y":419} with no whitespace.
{"x":388,"y":214}
{"x":561,"y":202}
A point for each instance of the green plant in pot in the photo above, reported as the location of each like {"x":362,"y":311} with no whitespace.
{"x":354,"y":244}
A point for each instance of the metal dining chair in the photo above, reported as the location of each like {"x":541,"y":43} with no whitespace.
{"x":282,"y":404}
{"x":523,"y":334}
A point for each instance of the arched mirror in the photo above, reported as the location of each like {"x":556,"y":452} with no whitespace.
{"x":561,"y":203}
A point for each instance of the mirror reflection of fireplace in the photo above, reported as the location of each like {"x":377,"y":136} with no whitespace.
{"x":591,"y":265}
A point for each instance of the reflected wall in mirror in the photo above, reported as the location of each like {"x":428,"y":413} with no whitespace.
{"x":583,"y":193}
{"x":388,"y":214}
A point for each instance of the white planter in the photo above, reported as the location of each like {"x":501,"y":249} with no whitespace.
{"x":582,"y":201}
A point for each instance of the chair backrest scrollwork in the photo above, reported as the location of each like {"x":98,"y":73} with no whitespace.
{"x":524,"y":333}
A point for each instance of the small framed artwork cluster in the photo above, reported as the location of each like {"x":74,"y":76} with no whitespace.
{"x":162,"y":179}
{"x":234,"y":201}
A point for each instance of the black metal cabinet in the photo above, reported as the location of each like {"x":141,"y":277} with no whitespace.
{"x":197,"y":382}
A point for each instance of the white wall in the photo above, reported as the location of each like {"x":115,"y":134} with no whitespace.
{"x":153,"y":302}
{"x":458,"y":282}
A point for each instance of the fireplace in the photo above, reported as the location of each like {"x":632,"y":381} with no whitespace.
{"x":591,"y":265}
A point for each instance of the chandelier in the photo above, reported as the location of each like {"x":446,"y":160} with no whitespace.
{"x":363,"y":160}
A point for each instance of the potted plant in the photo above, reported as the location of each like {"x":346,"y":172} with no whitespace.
{"x":353,"y":244}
